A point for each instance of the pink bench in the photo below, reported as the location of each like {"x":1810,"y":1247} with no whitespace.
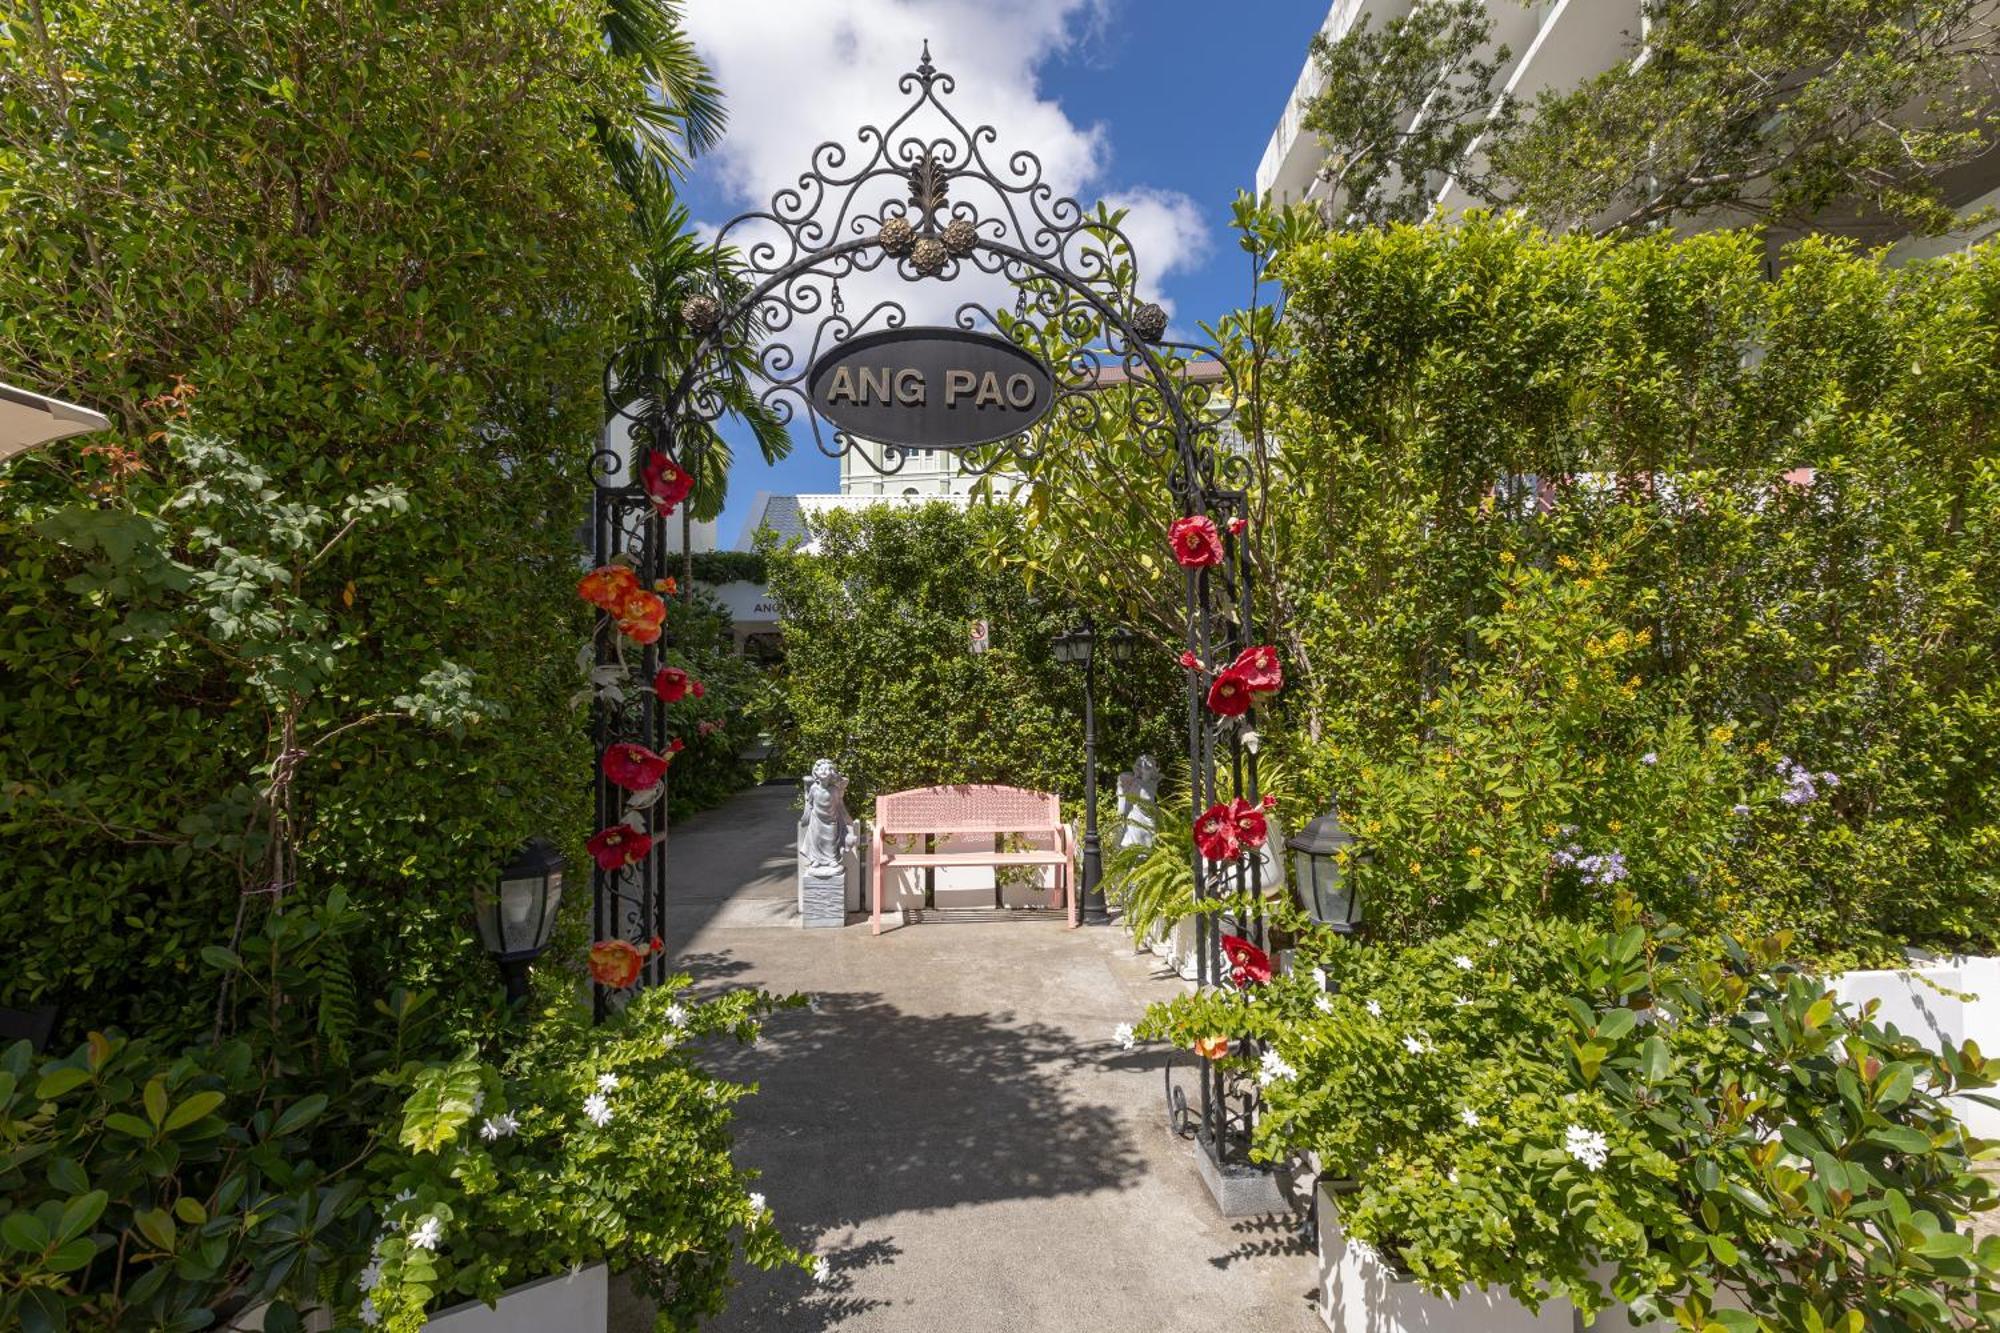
{"x":976,"y":811}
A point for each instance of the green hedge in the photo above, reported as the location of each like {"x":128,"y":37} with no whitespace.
{"x":881,"y":677}
{"x":383,"y":252}
{"x":1643,"y":661}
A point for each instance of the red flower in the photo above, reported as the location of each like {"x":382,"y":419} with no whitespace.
{"x":1215,"y":834}
{"x":619,"y":846}
{"x":1260,"y":670}
{"x":697,"y":689}
{"x":709,"y":728}
{"x":1236,"y":526}
{"x":634,"y":767}
{"x":671,"y":684}
{"x":1248,"y":964}
{"x":666,"y":482}
{"x":676,"y":745}
{"x":615,"y":963}
{"x":1225,"y":832}
{"x":1251,"y":825}
{"x":1190,"y":662}
{"x":641,"y":616}
{"x":1195,"y":541}
{"x":1229,"y":694}
{"x":608,"y":587}
{"x":1211,"y":1048}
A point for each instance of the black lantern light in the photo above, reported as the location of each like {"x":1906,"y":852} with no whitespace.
{"x":1075,"y":646}
{"x":1119,"y":644}
{"x":517,"y":914}
{"x":1317,"y":853}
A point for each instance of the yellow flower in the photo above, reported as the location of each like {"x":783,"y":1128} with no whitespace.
{"x":1565,"y":562}
{"x":1474,"y":852}
{"x":1506,"y":557}
{"x":1615,"y":825}
{"x":1416,"y":867}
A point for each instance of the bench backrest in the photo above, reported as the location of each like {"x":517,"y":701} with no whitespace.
{"x":967,"y":809}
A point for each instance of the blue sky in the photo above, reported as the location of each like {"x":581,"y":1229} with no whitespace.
{"x":1165,"y":103}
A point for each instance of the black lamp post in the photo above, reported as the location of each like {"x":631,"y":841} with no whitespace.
{"x":1317,"y":851}
{"x":1079,"y":646}
{"x":517,"y":914}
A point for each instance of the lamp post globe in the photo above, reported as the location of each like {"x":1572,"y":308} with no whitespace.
{"x":1318,"y":852}
{"x":517,"y":913}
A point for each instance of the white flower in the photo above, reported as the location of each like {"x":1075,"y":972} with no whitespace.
{"x":1586,"y":1146}
{"x":607,"y":1082}
{"x":1493,"y":944}
{"x":499,"y":1126}
{"x":677,"y":1015}
{"x":1319,"y":977}
{"x":1649,"y":759}
{"x":1452,"y":1178}
{"x":371,"y":1277}
{"x":1460,"y":1001}
{"x":1470,"y":1117}
{"x":1122,"y":1034}
{"x":1374,"y":1008}
{"x":428,"y":1233}
{"x":597,"y":1110}
{"x":1413,"y":1046}
{"x":478,"y":1101}
{"x":756,"y":1202}
{"x":1272,"y":1068}
{"x":822,"y":1270}
{"x":1323,"y":1002}
{"x":1463,"y":963}
{"x":369,"y":1314}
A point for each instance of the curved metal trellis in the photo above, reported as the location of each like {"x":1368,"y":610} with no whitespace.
{"x":933,"y":202}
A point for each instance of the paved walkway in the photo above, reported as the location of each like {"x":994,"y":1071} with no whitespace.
{"x":955,"y":1128}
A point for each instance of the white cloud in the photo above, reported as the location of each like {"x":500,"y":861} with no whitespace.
{"x":799,"y":74}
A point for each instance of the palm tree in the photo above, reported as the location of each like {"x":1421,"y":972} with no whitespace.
{"x":659,"y":346}
{"x":684,"y":117}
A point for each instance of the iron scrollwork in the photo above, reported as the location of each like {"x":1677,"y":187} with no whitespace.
{"x":927,"y":199}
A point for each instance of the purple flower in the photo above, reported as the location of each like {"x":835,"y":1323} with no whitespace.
{"x":1739,"y":810}
{"x":1649,"y":758}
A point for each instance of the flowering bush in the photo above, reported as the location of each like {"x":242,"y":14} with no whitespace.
{"x":1520,"y":1103}
{"x":591,"y":1143}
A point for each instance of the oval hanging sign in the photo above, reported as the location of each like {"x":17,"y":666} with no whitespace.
{"x":935,"y":388}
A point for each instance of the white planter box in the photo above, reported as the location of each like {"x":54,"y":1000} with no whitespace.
{"x":576,"y":1302}
{"x":1357,"y":1295}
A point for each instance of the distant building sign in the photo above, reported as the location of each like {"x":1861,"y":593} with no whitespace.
{"x":982,"y":636}
{"x":934,"y":388}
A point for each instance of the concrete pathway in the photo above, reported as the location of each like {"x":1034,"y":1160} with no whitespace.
{"x":955,"y":1129}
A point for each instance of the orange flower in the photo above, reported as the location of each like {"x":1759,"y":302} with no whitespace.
{"x":641,"y":616}
{"x":616,"y":963}
{"x":1211,"y":1048}
{"x":608,"y":587}
{"x":668,"y":586}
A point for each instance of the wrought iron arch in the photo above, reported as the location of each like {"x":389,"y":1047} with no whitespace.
{"x":928,"y":206}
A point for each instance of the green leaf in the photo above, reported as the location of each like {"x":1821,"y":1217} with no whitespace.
{"x":299,"y":1114}
{"x":1655,"y":1059}
{"x":23,"y":1231}
{"x":80,"y":1215}
{"x":73,"y":1255}
{"x":1615,"y":1023}
{"x":221,"y":959}
{"x":1894,"y":1086}
{"x":189,"y":1210}
{"x":1723,"y":1250}
{"x":156,"y":1099}
{"x":127,"y":1123}
{"x":58,"y":1081}
{"x":155,"y":1225}
{"x":193,"y":1109}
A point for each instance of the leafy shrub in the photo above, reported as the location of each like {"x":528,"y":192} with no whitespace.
{"x":1521,"y":1102}
{"x":1543,"y":506}
{"x":880,"y":675}
{"x":397,"y":290}
{"x":726,"y":722}
{"x":156,"y":1191}
{"x":579,"y":1147}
